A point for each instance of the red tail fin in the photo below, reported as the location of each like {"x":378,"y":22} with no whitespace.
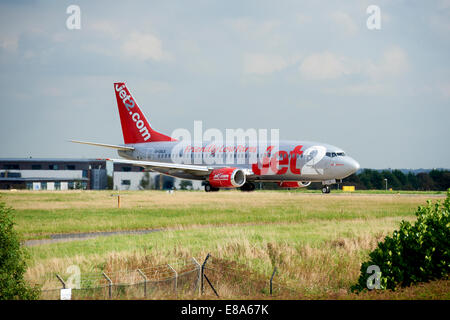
{"x":135,"y":126}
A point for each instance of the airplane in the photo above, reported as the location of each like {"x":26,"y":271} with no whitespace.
{"x":291,"y":164}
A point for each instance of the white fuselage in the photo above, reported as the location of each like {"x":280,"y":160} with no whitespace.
{"x":291,"y":161}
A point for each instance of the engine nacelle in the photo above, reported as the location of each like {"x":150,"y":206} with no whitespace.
{"x":227,"y":178}
{"x":294,"y":184}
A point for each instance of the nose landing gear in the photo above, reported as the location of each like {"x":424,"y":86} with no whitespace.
{"x":326,"y":189}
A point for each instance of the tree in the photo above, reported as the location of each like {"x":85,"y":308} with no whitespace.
{"x":366,"y":178}
{"x":12,"y":261}
{"x":184,"y":184}
{"x":167,"y":182}
{"x":413,"y":182}
{"x":440,"y":178}
{"x":401,"y":177}
{"x":392,"y":180}
{"x":146,"y":181}
{"x":425,"y":181}
{"x":415,"y":253}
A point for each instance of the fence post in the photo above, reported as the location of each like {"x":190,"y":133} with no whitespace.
{"x":199,"y":276}
{"x":203,"y":271}
{"x":145,"y":281}
{"x":110,"y":284}
{"x":62,"y":281}
{"x":271,"y":278}
{"x":176,"y":277}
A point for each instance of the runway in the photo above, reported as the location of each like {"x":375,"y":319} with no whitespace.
{"x":54,"y":238}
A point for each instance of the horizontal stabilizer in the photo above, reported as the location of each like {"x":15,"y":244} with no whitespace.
{"x":113,"y":146}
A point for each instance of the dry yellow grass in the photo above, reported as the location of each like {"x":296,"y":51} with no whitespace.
{"x":50,"y":200}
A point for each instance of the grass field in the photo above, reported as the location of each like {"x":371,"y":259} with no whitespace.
{"x":317,"y":242}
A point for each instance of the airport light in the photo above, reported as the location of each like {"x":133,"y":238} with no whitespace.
{"x":385,"y":180}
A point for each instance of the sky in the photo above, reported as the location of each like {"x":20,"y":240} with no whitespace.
{"x":312,"y":69}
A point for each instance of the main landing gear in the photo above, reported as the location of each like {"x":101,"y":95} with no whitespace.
{"x":326,"y":188}
{"x":209,"y":188}
{"x":248,"y":186}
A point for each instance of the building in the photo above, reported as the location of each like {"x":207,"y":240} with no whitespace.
{"x":67,"y":174}
{"x":64,"y":174}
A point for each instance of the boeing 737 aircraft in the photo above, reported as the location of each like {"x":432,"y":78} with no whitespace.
{"x":291,"y":164}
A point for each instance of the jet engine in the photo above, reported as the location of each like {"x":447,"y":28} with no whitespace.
{"x":227,"y":178}
{"x":294,"y":184}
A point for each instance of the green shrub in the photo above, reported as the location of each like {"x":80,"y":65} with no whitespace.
{"x":12,"y":261}
{"x":417,"y":252}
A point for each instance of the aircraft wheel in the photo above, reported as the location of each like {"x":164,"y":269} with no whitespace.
{"x":326,"y":189}
{"x":248,"y":186}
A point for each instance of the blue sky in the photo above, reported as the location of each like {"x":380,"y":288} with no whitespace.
{"x":309,"y":68}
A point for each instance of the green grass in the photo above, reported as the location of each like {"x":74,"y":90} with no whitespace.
{"x":33,"y":223}
{"x":370,"y":191}
{"x":202,"y":239}
{"x":277,"y":207}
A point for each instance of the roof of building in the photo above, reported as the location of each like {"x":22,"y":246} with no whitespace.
{"x":41,"y":179}
{"x":49,"y":160}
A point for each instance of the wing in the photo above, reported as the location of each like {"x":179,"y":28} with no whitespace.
{"x":162,"y":167}
{"x":168,"y":168}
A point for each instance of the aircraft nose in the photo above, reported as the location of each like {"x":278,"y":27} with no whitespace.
{"x":353,"y":165}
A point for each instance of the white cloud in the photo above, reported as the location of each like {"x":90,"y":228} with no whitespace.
{"x":61,"y":37}
{"x":98,"y":49}
{"x":52,"y":92}
{"x":445,"y":90}
{"x":325,"y":65}
{"x":106,"y":27}
{"x":9,"y":43}
{"x":372,"y":89}
{"x":301,"y":18}
{"x":252,"y":26}
{"x":344,"y":23}
{"x":139,"y":45}
{"x":261,"y":64}
{"x":262,"y":34}
{"x":440,"y":23}
{"x":393,"y":63}
{"x":443,"y":4}
{"x":143,"y":46}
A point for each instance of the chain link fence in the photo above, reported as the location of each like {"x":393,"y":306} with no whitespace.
{"x":228,"y":280}
{"x":214,"y":278}
{"x":157,"y":281}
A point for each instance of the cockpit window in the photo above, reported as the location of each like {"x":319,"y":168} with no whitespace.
{"x":331,"y":154}
{"x":335,"y":154}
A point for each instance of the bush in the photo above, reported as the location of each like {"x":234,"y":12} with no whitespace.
{"x":415,"y":253}
{"x":12,"y":261}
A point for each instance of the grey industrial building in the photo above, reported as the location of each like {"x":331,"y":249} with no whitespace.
{"x":65,"y":174}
